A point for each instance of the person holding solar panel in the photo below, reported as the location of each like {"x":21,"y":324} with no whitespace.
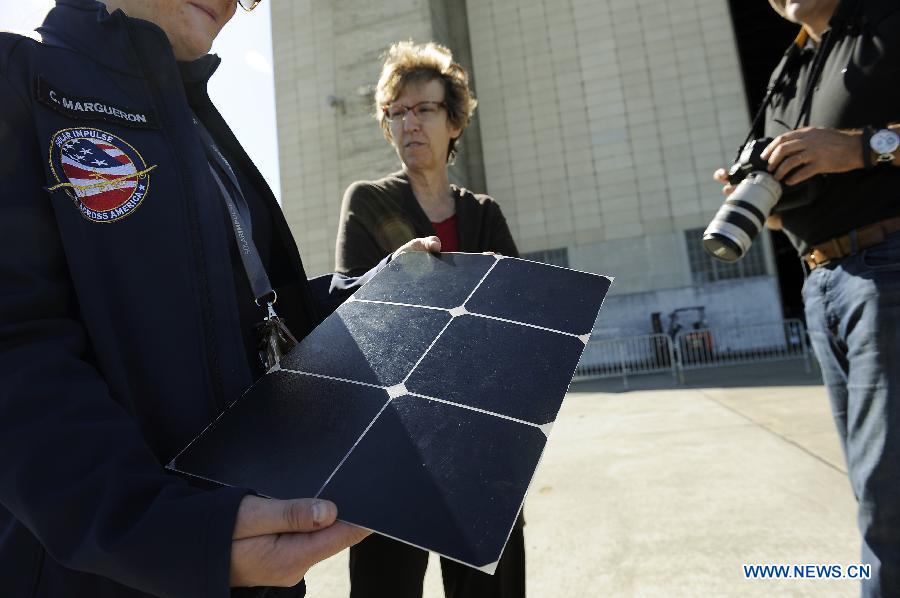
{"x":423,"y":104}
{"x":147,"y":277}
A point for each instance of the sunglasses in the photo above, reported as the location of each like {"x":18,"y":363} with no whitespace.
{"x":248,"y":5}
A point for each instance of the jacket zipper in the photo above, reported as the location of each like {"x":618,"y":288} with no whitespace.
{"x":216,"y":386}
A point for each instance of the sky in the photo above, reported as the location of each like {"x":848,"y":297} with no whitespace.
{"x":243,"y":88}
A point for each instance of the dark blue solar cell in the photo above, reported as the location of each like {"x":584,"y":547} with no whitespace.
{"x":368,"y":342}
{"x":420,"y":278}
{"x":438,"y":476}
{"x":447,"y":477}
{"x":471,"y":364}
{"x":542,"y":295}
{"x":285,"y":436}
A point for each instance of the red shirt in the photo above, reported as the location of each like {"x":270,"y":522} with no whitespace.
{"x":447,"y":233}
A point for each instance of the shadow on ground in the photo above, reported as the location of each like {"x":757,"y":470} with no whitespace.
{"x":779,"y":373}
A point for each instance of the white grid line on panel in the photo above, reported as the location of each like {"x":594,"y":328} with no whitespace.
{"x":427,"y":350}
{"x":527,"y":325}
{"x":355,"y":444}
{"x":462,"y":310}
{"x":170,"y":467}
{"x":444,"y":309}
{"x":174,"y":462}
{"x":483,"y":278}
{"x":470,"y":408}
{"x":463,"y":306}
{"x":397,"y":390}
{"x":458,"y":311}
{"x":302,"y":373}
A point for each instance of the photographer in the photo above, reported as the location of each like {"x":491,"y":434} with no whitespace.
{"x":830,"y":112}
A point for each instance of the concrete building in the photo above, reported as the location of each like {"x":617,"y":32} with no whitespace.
{"x":598,"y":127}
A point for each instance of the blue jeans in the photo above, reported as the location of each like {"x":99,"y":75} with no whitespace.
{"x":853,"y":316}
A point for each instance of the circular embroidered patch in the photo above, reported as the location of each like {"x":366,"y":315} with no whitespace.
{"x":105,"y":176}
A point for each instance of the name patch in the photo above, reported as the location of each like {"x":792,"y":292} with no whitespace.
{"x":93,"y":109}
{"x":103,"y":174}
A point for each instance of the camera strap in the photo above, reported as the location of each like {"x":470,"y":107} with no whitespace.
{"x":791,"y":55}
{"x":844,"y":17}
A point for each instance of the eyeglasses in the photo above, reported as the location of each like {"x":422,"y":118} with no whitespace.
{"x":248,"y":5}
{"x":395,"y":113}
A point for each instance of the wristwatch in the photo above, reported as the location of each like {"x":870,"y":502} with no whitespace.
{"x":884,"y":143}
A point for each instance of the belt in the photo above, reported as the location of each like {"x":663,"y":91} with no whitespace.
{"x":838,"y":247}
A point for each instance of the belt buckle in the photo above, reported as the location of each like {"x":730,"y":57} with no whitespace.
{"x":812,"y":262}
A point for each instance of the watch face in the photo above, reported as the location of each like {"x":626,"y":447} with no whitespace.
{"x":885,"y":141}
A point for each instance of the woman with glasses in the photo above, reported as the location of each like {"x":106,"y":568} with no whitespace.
{"x":144,"y":263}
{"x":423,"y":104}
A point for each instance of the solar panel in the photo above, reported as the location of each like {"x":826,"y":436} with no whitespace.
{"x":421,"y":407}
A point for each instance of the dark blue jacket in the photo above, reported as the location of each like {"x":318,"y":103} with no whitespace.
{"x":119,"y":328}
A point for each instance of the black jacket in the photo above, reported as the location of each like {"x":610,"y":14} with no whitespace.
{"x":857,"y":87}
{"x":119,"y":326}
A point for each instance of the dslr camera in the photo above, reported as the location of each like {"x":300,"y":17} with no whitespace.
{"x":737,"y":223}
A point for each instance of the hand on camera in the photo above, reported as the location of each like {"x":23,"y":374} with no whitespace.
{"x":275,"y":542}
{"x":721,"y":175}
{"x":809,"y":151}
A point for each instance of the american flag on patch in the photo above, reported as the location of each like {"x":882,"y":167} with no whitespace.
{"x":103,"y":177}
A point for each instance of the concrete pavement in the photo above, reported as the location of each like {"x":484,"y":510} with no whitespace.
{"x":667,"y":491}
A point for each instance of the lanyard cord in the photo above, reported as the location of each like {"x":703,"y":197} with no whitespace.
{"x":256,"y":272}
{"x":239,"y":216}
{"x":275,"y":339}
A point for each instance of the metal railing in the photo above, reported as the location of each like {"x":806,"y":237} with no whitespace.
{"x":756,"y":343}
{"x":693,"y":349}
{"x":624,"y":356}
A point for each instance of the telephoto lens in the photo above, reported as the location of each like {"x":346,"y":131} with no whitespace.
{"x":741,"y":217}
{"x":744,"y":213}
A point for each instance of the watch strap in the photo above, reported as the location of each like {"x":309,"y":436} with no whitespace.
{"x":867,"y":133}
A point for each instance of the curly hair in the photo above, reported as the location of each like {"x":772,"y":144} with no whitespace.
{"x":407,"y":63}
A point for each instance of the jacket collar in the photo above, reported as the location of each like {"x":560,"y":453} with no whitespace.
{"x":118,"y":42}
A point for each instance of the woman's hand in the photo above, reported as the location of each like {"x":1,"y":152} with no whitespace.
{"x":430,"y":244}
